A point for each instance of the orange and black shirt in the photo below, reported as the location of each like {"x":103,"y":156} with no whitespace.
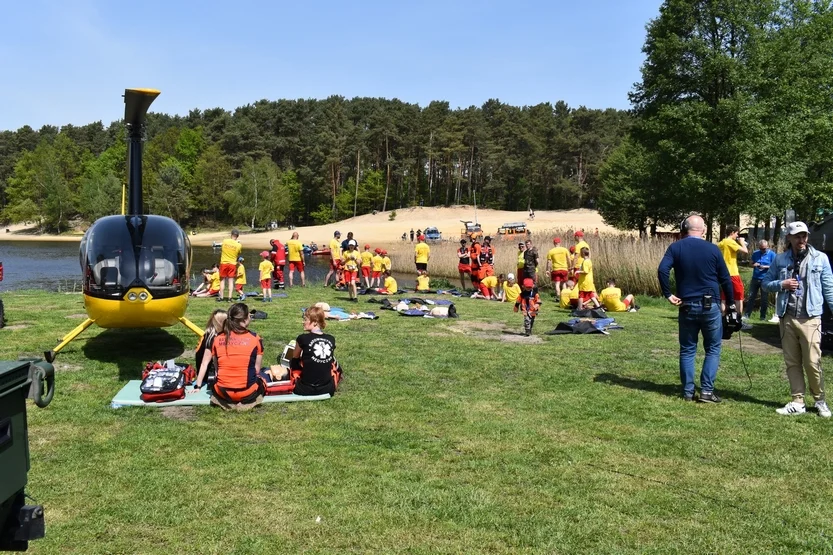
{"x":236,"y":362}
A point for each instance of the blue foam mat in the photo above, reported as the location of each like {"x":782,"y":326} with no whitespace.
{"x":130,"y":396}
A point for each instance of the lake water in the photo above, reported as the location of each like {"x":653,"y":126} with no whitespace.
{"x":55,"y":266}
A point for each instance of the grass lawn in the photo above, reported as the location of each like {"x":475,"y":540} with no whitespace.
{"x":445,"y":437}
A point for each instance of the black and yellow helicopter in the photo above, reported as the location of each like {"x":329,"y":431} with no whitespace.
{"x":135,"y":266}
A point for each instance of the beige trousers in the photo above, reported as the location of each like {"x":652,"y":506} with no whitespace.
{"x":801,"y":343}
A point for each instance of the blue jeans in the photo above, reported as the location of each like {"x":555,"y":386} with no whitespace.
{"x":693,"y":320}
{"x":754,"y":288}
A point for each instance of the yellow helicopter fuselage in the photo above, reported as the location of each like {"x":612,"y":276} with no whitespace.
{"x":137,"y":309}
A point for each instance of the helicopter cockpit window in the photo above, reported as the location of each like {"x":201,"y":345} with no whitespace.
{"x":117,"y":256}
{"x":107,"y":258}
{"x":163,"y":258}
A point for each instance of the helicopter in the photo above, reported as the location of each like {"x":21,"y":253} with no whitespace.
{"x":135,"y":266}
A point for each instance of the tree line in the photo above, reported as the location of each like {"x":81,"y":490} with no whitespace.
{"x":732,"y":116}
{"x":314,"y":161}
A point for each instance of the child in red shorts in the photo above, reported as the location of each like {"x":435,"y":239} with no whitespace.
{"x":266,"y":268}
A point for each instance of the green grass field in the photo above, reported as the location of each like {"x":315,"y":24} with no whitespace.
{"x":446,"y":437}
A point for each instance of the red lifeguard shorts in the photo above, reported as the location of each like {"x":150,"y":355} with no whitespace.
{"x":558,"y":275}
{"x":228,"y":271}
{"x":737,"y":285}
{"x":365,"y":271}
{"x":266,"y":284}
{"x":464,"y":268}
{"x":586,"y":295}
{"x":296,"y":265}
{"x":350,"y":277}
{"x":334,"y":264}
{"x":376,"y":274}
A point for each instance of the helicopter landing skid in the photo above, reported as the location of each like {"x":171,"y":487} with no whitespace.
{"x":65,"y":340}
{"x":50,"y":355}
{"x":191,"y":326}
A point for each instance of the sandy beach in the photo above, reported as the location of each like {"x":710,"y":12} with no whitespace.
{"x":379,"y":229}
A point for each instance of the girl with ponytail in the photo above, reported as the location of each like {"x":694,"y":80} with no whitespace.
{"x":237,"y":354}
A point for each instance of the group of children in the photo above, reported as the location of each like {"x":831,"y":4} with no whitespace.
{"x":369,"y":268}
{"x":571,"y":272}
{"x":210,"y":287}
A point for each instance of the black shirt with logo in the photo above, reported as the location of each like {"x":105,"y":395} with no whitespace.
{"x":317,"y":357}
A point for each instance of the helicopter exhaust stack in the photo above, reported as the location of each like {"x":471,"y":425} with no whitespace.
{"x":136,"y":104}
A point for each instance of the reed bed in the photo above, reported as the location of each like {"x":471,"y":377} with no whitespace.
{"x":631,"y":260}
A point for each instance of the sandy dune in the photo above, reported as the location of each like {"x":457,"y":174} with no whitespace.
{"x":379,"y":229}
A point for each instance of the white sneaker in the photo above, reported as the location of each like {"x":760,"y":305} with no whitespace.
{"x":792,"y":408}
{"x":775,"y":319}
{"x":824,"y":411}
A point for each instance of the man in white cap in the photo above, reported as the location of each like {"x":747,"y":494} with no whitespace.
{"x":802,"y":278}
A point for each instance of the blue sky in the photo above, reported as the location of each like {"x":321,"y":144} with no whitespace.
{"x":69,"y":62}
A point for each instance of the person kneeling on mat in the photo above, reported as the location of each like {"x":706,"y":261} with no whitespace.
{"x":314,"y":356}
{"x":487,"y":288}
{"x":237,"y":354}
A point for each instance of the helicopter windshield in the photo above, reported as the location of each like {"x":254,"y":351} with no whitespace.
{"x":117,"y":254}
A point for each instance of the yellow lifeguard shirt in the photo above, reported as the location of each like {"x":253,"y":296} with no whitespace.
{"x":612,"y":299}
{"x":377,"y":263}
{"x":241,"y":275}
{"x":230,"y":251}
{"x":266,"y":269}
{"x":214,"y":281}
{"x":511,"y":292}
{"x":490,"y":281}
{"x":729,"y":247}
{"x":350,"y":259}
{"x":422,"y":252}
{"x":585,"y":278}
{"x":367,"y":259}
{"x":296,"y":250}
{"x":423,"y":283}
{"x":390,"y":284}
{"x":558,"y":257}
{"x":564,"y":299}
{"x":335,"y":249}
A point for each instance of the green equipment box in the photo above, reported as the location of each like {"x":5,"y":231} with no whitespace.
{"x":19,"y":380}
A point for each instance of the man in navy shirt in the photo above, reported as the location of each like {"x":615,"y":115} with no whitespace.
{"x":761,"y":260}
{"x":700,"y":272}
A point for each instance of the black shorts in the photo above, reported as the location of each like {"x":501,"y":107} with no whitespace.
{"x":304,"y":389}
{"x":422,"y":266}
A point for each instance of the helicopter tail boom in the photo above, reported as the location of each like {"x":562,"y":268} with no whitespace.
{"x":136,"y":104}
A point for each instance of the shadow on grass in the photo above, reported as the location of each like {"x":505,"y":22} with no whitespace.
{"x":673,"y":390}
{"x":130,"y":349}
{"x":771,"y":335}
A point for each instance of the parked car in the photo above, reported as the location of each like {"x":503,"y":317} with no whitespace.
{"x":432,"y":235}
